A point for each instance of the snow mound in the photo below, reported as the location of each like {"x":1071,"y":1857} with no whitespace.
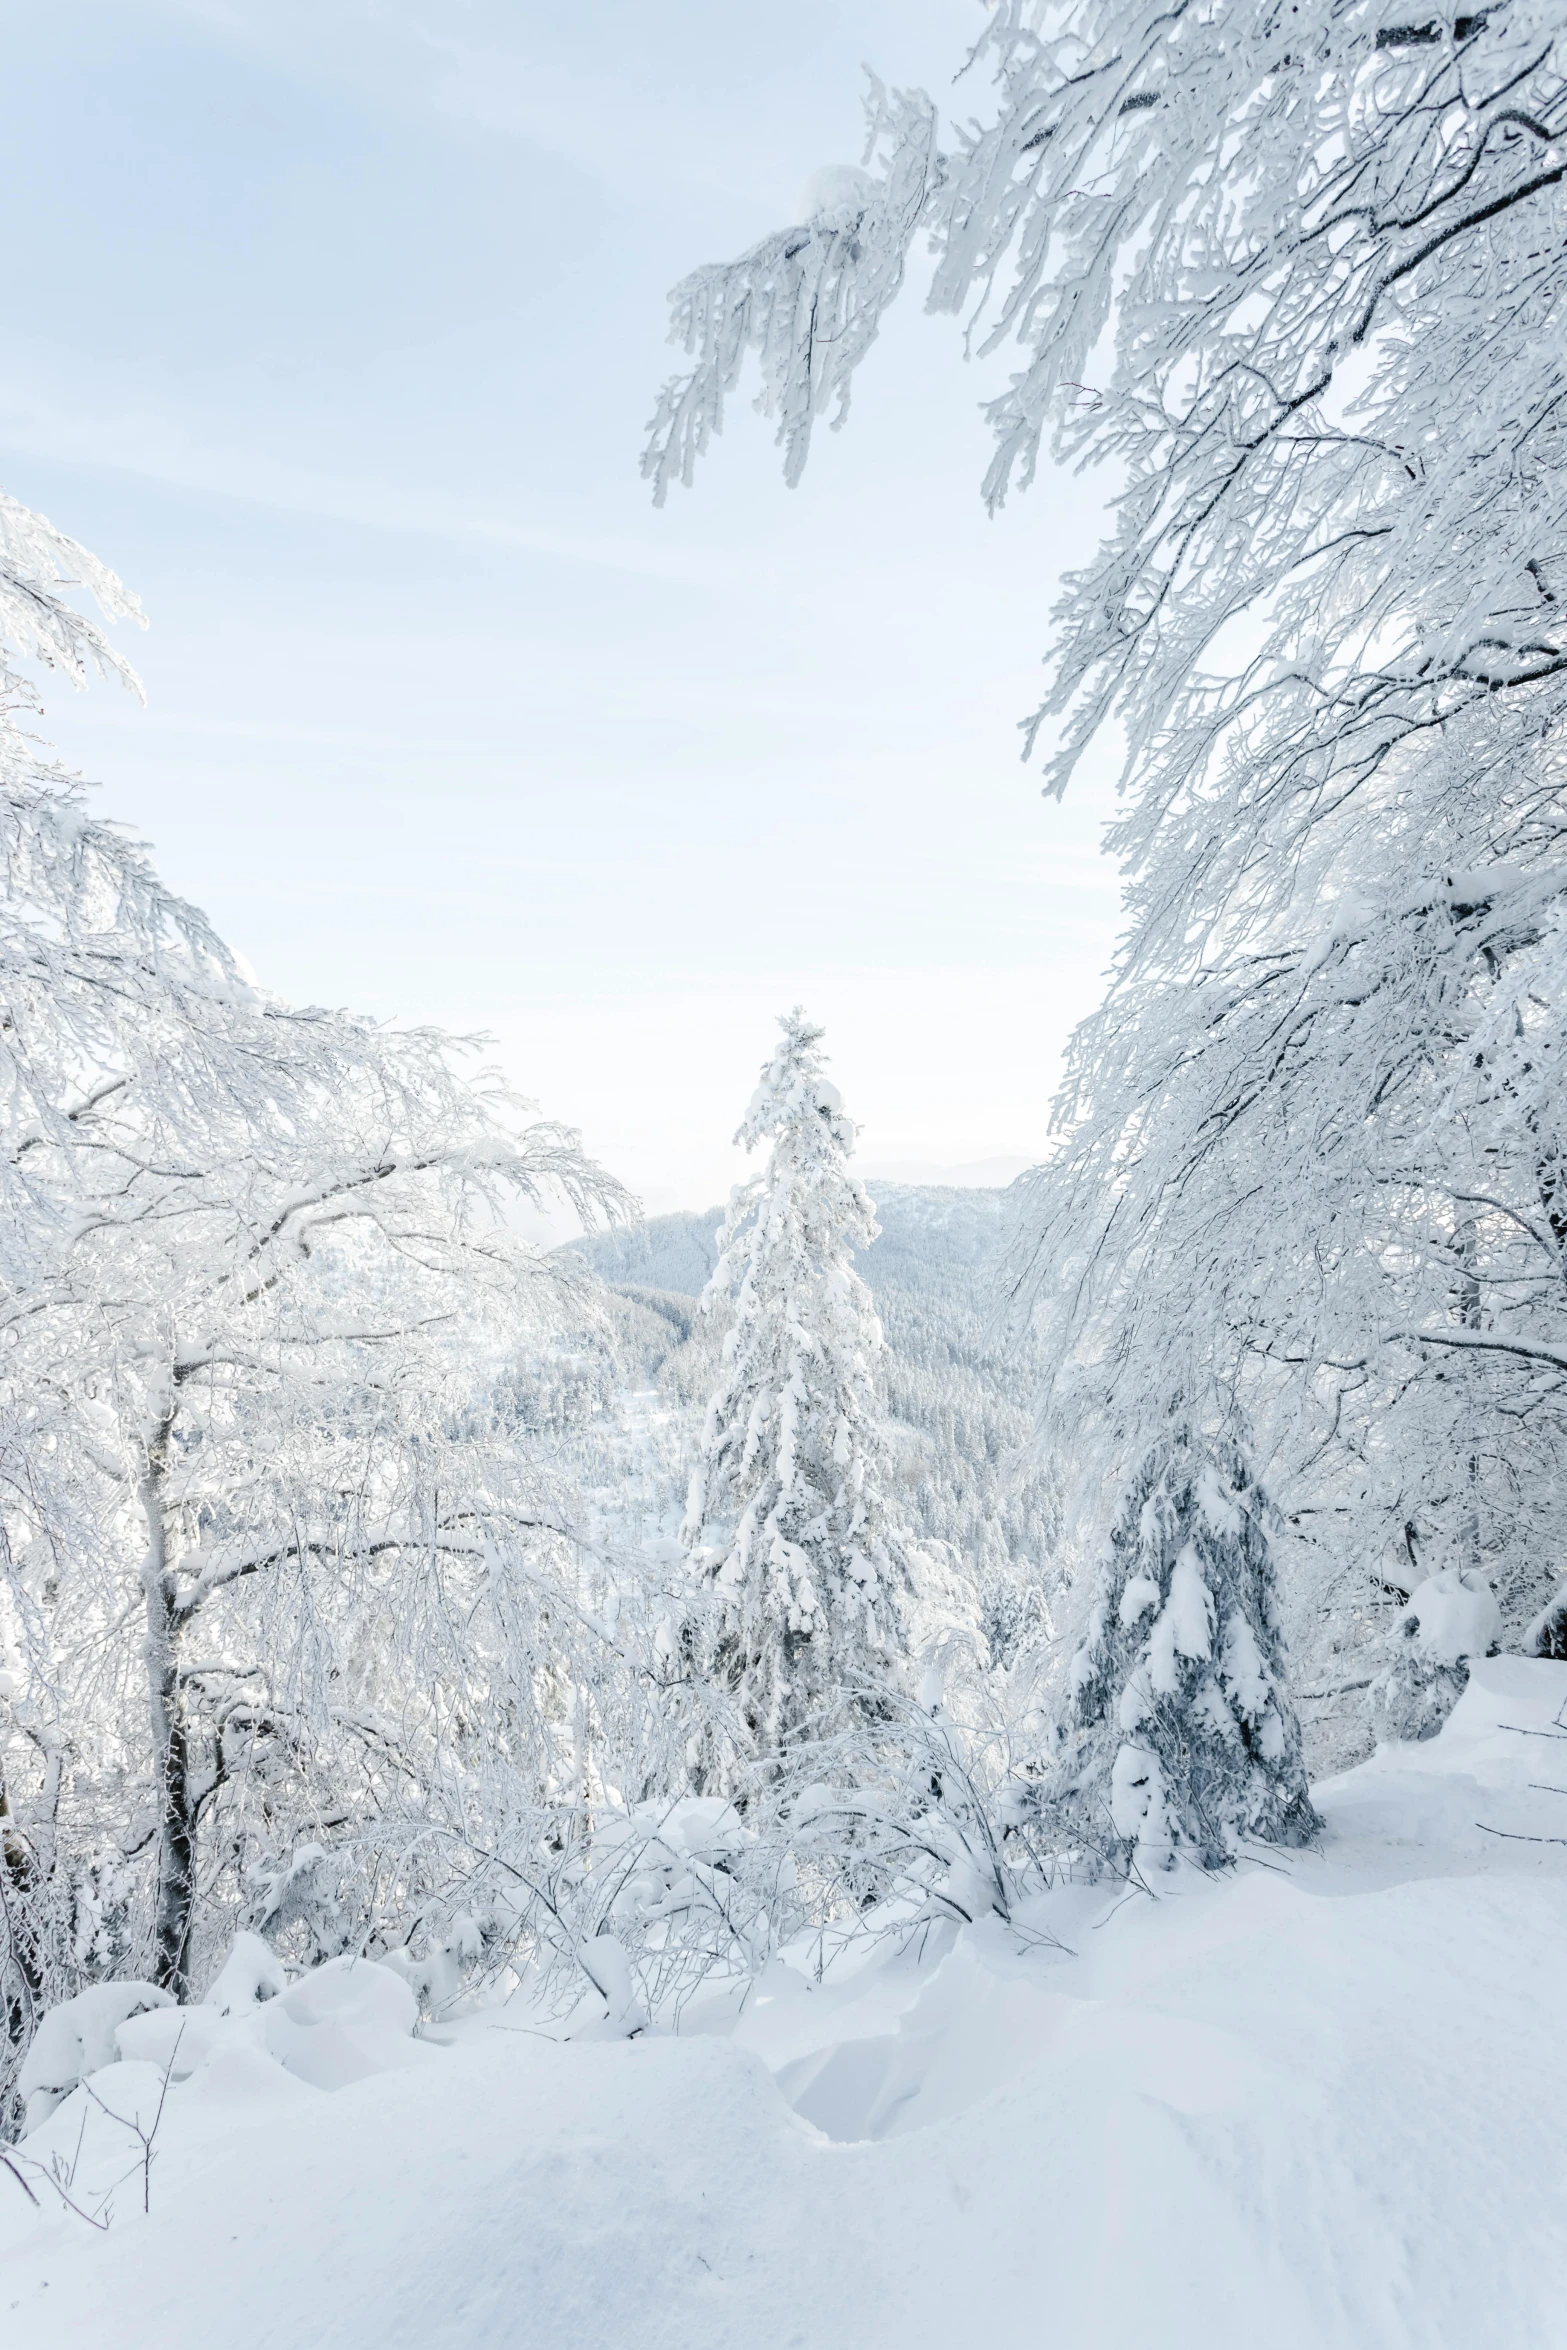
{"x":256,"y":2046}
{"x":78,"y":2038}
{"x":981,"y":2027}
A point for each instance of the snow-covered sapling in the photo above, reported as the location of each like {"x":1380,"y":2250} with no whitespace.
{"x":1547,"y":1635}
{"x":1451,"y":1617}
{"x":1184,"y":1740}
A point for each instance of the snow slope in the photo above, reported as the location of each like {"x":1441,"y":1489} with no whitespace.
{"x":1318,"y":2102}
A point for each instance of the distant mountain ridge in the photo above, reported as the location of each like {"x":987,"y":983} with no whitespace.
{"x":933,"y":1236}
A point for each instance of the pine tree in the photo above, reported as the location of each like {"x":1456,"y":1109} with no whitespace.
{"x":1185,"y":1740}
{"x":802,"y":1569}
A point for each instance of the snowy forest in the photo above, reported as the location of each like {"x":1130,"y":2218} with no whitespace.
{"x":413,"y":1631}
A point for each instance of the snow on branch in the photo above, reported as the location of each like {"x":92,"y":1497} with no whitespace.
{"x":36,"y":623}
{"x":808,"y":301}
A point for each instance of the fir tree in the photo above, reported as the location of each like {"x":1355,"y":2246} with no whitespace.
{"x":1185,"y":1741}
{"x":802,"y":1569}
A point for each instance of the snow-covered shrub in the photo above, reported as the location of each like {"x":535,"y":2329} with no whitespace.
{"x":77,"y":2038}
{"x":1451,"y":1617}
{"x":1183,"y":1741}
{"x":625,"y":1913}
{"x":660,"y":1856}
{"x":299,"y":1902}
{"x":691,"y":1893}
{"x":934,"y":1817}
{"x":688,"y":1894}
{"x":1547,"y":1635}
{"x":919,"y":1845}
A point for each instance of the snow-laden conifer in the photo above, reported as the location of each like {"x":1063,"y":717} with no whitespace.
{"x":802,"y":1566}
{"x":1185,"y":1742}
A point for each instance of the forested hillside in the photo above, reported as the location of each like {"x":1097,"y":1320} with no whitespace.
{"x":961,"y":1394}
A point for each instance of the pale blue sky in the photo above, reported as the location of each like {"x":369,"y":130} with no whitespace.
{"x":334,"y":328}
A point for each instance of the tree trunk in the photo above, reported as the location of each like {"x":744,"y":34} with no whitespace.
{"x":1466,"y":1249}
{"x":23,"y":1993}
{"x":170,"y":1737}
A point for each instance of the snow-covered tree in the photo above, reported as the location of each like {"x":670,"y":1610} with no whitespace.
{"x":802,"y":1567}
{"x":1322,"y":1181}
{"x":1222,"y":226}
{"x":1183,"y":1740}
{"x":41,"y":837}
{"x":279,"y":1562}
{"x":1292,"y":275}
{"x":269,"y":1259}
{"x":964,"y":1475}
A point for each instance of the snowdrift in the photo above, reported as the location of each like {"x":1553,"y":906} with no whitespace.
{"x":1316,"y":2102}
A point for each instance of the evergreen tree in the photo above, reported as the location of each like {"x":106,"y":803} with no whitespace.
{"x":1185,"y":1740}
{"x":802,"y":1568}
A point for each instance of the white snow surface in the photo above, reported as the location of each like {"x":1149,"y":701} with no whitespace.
{"x":1316,"y":2101}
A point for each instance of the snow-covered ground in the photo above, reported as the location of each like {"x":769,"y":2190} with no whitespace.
{"x":1320,"y":2101}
